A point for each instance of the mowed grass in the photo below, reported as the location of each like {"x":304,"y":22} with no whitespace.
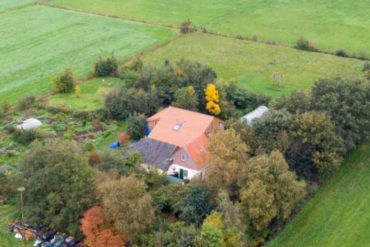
{"x":11,"y":4}
{"x":333,"y":25}
{"x":38,"y":42}
{"x":7,"y":214}
{"x":92,"y":96}
{"x":252,"y":64}
{"x":339,"y":215}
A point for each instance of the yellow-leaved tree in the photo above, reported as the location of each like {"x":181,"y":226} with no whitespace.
{"x":212,"y":98}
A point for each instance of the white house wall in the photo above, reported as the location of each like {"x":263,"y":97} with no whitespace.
{"x":174,"y":168}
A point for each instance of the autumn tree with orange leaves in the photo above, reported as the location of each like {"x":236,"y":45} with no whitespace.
{"x":92,"y":226}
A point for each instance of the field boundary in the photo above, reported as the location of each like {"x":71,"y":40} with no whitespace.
{"x":20,"y":7}
{"x":177,"y":28}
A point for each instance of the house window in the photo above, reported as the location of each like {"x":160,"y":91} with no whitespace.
{"x":201,"y":151}
{"x":186,"y":173}
{"x":183,"y":157}
{"x":177,"y":126}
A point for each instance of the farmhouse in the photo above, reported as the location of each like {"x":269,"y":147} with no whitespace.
{"x":177,"y":142}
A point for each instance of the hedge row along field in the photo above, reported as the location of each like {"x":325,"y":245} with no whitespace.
{"x":253,"y":64}
{"x":47,"y":40}
{"x":332,"y":25}
{"x":11,"y":4}
{"x":339,"y":215}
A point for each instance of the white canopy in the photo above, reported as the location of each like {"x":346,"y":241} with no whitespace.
{"x":256,"y":113}
{"x":29,"y":124}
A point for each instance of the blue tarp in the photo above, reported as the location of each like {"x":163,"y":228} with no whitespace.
{"x":114,"y":145}
{"x":147,"y":130}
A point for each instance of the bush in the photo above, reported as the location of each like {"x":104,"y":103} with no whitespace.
{"x":26,"y":102}
{"x":305,"y":44}
{"x":5,"y":107}
{"x":64,"y":82}
{"x":366,"y":67}
{"x":94,"y":159}
{"x":136,"y":64}
{"x":341,"y":53}
{"x":186,"y":27}
{"x":129,"y":77}
{"x":123,"y":138}
{"x":106,"y":67}
{"x":136,"y":126}
{"x":25,"y":137}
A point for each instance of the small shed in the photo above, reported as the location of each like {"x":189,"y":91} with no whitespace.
{"x":29,"y":124}
{"x":256,"y":113}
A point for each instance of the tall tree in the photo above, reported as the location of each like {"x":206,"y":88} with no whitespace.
{"x":269,"y":191}
{"x":186,"y":98}
{"x":228,"y":156}
{"x":127,"y":203}
{"x":316,"y":133}
{"x":196,"y":205}
{"x":347,"y":104}
{"x":59,"y":185}
{"x":231,"y":214}
{"x":212,"y":98}
{"x":96,"y":235}
{"x":211,"y":234}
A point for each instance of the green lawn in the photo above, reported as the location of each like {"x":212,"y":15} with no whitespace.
{"x":11,"y":4}
{"x":333,"y":25}
{"x":253,"y":63}
{"x":7,"y":214}
{"x":339,"y":215}
{"x":38,"y":41}
{"x":92,"y":95}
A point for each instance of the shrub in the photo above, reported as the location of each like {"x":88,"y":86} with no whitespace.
{"x":129,"y":77}
{"x":26,"y":102}
{"x":5,"y":106}
{"x":341,"y":53}
{"x":64,"y":82}
{"x":106,"y":67}
{"x":136,"y":64}
{"x":255,"y":38}
{"x":25,"y":137}
{"x":136,"y":126}
{"x":305,"y":44}
{"x":94,"y":159}
{"x":186,"y":27}
{"x":123,"y":138}
{"x":366,"y":67}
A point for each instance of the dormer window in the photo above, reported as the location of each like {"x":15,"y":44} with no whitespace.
{"x":201,"y":151}
{"x":177,"y":126}
{"x":183,"y":157}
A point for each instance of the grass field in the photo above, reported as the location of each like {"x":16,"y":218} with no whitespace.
{"x":92,"y":95}
{"x":253,"y":63}
{"x":11,"y":4}
{"x":7,"y":214}
{"x":47,"y":40}
{"x":333,"y":25}
{"x":339,"y":215}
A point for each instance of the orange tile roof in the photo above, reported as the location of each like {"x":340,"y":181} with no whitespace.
{"x":198,"y":151}
{"x":193,"y":125}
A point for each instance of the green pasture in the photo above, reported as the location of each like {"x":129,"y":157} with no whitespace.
{"x":252,"y":64}
{"x":92,"y":97}
{"x":38,"y":42}
{"x":11,"y":4}
{"x":339,"y":214}
{"x":332,"y":25}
